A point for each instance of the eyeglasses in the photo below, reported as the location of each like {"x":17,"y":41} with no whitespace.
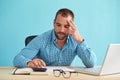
{"x":65,"y":74}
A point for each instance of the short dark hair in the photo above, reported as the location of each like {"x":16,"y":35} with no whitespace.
{"x":65,"y":13}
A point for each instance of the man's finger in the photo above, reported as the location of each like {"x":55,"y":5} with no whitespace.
{"x":38,"y":63}
{"x":43,"y":63}
{"x":31,"y":65}
{"x":35,"y":63}
{"x":71,"y":25}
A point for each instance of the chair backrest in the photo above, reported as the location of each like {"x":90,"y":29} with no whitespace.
{"x":29,"y":38}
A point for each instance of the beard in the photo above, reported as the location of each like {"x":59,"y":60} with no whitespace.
{"x":64,"y":35}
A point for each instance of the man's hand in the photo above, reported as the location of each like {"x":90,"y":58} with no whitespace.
{"x":36,"y":63}
{"x":74,"y":32}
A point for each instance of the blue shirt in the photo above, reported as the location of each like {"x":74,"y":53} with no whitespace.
{"x":44,"y":47}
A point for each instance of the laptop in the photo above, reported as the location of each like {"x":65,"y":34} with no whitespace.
{"x":111,"y":64}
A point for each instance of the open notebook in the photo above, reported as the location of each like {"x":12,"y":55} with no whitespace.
{"x":111,"y":64}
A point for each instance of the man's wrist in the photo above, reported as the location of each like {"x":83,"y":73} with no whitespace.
{"x":80,"y":40}
{"x":28,"y":63}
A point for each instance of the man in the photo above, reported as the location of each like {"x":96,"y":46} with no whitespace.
{"x":57,"y":47}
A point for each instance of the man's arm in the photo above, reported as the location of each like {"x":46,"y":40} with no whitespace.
{"x":23,"y":57}
{"x":27,"y":54}
{"x":86,"y":54}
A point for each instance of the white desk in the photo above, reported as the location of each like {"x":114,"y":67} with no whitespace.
{"x":5,"y":74}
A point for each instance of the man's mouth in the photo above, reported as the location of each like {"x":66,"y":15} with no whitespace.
{"x":61,"y":33}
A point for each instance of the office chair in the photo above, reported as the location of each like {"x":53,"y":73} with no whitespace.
{"x":29,"y":38}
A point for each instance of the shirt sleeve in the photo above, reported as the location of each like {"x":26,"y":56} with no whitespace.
{"x":87,"y":56}
{"x":27,"y":53}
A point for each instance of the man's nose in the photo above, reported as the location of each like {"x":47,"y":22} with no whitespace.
{"x":62,"y":29}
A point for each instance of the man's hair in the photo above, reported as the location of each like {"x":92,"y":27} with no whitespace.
{"x":65,"y":13}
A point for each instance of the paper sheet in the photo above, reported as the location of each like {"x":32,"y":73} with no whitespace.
{"x":50,"y":69}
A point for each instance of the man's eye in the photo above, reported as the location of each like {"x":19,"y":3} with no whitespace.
{"x":58,"y":25}
{"x":66,"y":26}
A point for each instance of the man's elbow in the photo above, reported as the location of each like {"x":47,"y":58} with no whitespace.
{"x":91,"y":64}
{"x":16,"y":62}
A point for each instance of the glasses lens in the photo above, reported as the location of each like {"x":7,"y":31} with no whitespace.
{"x":66,"y":74}
{"x":56,"y":73}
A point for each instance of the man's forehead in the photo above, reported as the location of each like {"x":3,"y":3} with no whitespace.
{"x":63,"y":18}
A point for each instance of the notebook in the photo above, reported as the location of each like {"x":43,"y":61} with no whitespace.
{"x":111,"y":64}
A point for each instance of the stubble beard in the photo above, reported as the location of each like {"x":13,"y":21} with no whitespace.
{"x":61,"y":38}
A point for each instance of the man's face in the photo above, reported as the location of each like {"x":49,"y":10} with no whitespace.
{"x":61,"y":27}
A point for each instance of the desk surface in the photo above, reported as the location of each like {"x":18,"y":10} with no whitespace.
{"x":5,"y":74}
